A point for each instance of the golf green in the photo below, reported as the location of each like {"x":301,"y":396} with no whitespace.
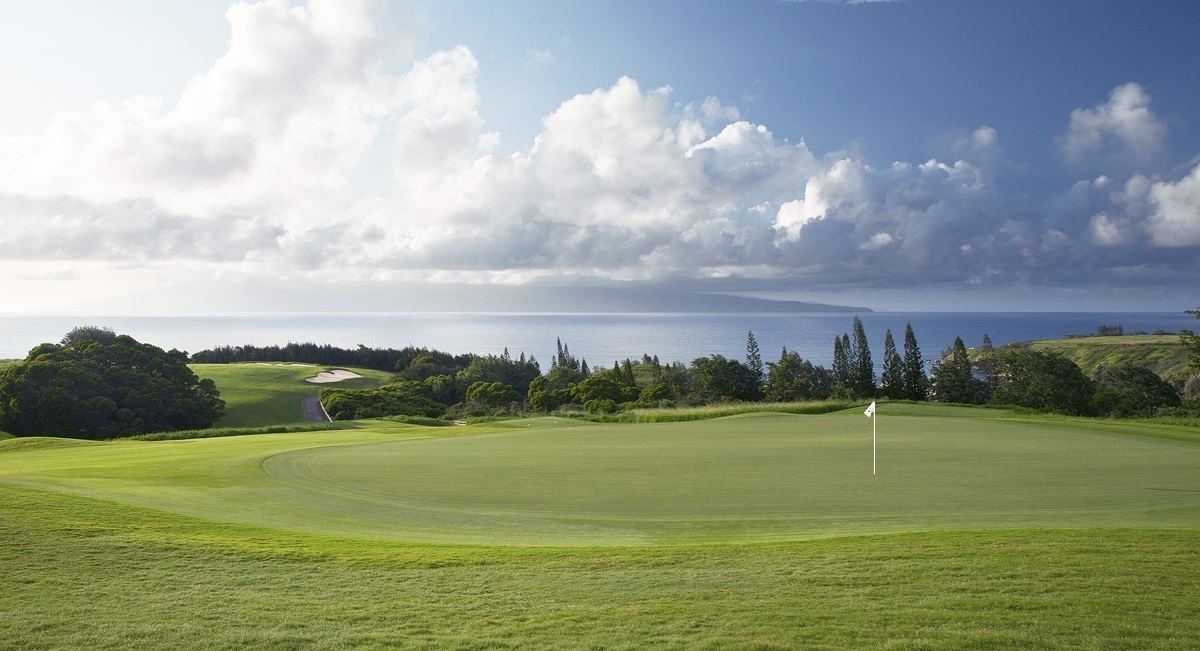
{"x":748,"y":478}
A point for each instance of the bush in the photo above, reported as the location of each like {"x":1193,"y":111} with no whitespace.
{"x":1046,"y":382}
{"x":400,"y":398}
{"x":1126,"y":391}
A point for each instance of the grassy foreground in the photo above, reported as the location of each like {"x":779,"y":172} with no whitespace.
{"x":1070,"y":536}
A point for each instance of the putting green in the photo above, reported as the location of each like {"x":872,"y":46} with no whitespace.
{"x":746,"y":478}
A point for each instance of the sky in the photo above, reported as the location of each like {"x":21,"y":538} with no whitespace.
{"x":899,"y":154}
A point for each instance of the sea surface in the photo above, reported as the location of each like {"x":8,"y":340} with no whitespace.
{"x":600,"y":339}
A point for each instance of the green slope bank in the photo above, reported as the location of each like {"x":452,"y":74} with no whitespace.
{"x":258,"y":395}
{"x":1162,"y":354}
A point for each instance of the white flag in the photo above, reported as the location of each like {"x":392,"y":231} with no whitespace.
{"x":870,"y":410}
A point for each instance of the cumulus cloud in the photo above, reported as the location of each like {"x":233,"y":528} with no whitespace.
{"x":1121,"y":135}
{"x":1175,"y":218}
{"x":249,"y":170}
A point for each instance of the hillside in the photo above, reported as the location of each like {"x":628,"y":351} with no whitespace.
{"x":1163,"y":354}
{"x":257,"y":395}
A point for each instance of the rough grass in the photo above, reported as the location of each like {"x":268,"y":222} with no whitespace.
{"x":85,"y":574}
{"x":258,"y":395}
{"x":219,"y":432}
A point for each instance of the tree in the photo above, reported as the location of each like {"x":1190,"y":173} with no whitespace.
{"x":1127,"y":390}
{"x":656,"y":394}
{"x":953,"y":380}
{"x":841,"y":364}
{"x":717,"y":379}
{"x":517,"y":373}
{"x":602,"y":387}
{"x":399,"y":398}
{"x":565,"y":369}
{"x":794,"y":379}
{"x":753,"y":357}
{"x":1191,"y":343}
{"x":82,"y":334}
{"x":915,"y":383}
{"x":627,"y":374}
{"x":491,"y":397}
{"x":1042,"y":381}
{"x":862,"y":369}
{"x":100,"y":387}
{"x":891,"y":382}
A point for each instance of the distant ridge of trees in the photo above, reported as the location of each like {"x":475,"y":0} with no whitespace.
{"x":380,"y":359}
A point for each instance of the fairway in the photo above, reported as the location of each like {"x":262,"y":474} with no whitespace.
{"x":740,"y":479}
{"x":260,"y":394}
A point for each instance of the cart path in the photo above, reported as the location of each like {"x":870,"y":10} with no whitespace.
{"x":313,"y":411}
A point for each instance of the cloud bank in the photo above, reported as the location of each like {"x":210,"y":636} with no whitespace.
{"x":250,"y":170}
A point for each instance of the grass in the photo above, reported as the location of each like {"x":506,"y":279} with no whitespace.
{"x":259,"y":395}
{"x":984,"y":529}
{"x":709,"y":412}
{"x":1161,"y":353}
{"x":748,"y":478}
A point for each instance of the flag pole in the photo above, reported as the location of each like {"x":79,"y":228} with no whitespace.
{"x":871,"y":412}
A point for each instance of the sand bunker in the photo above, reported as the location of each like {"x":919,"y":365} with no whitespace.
{"x":336,"y":375}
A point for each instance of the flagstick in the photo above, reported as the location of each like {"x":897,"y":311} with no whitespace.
{"x":873,"y":417}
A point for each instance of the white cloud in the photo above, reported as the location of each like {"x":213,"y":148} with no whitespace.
{"x":247,"y":171}
{"x":1175,"y":219}
{"x":267,"y":130}
{"x":1121,"y":135}
{"x":1107,"y":231}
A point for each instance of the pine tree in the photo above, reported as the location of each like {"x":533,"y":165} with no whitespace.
{"x":753,"y":357}
{"x":952,"y":379}
{"x":915,"y":383}
{"x":841,"y":364}
{"x":862,"y":368}
{"x":627,"y":375}
{"x":1191,"y":343}
{"x":892,"y":380}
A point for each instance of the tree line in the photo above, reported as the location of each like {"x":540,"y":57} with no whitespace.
{"x":503,"y":385}
{"x":97,"y":384}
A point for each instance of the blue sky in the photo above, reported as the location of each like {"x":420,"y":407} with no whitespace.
{"x":912,"y":154}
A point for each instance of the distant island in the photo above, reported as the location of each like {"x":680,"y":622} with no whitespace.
{"x":616,"y":300}
{"x":294,"y":295}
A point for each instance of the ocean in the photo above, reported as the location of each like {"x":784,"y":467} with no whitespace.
{"x":601,"y":339}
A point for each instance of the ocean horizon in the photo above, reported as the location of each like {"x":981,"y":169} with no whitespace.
{"x":600,"y":338}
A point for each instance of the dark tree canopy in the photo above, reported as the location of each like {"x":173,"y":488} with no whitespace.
{"x":862,"y":369}
{"x":96,"y":386}
{"x":754,"y":360}
{"x":88,"y":333}
{"x":1043,"y":381}
{"x":891,"y":381}
{"x":953,"y":380}
{"x":717,"y":379}
{"x":916,"y":384}
{"x":1191,"y":342}
{"x":793,"y":379}
{"x":1126,"y":390}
